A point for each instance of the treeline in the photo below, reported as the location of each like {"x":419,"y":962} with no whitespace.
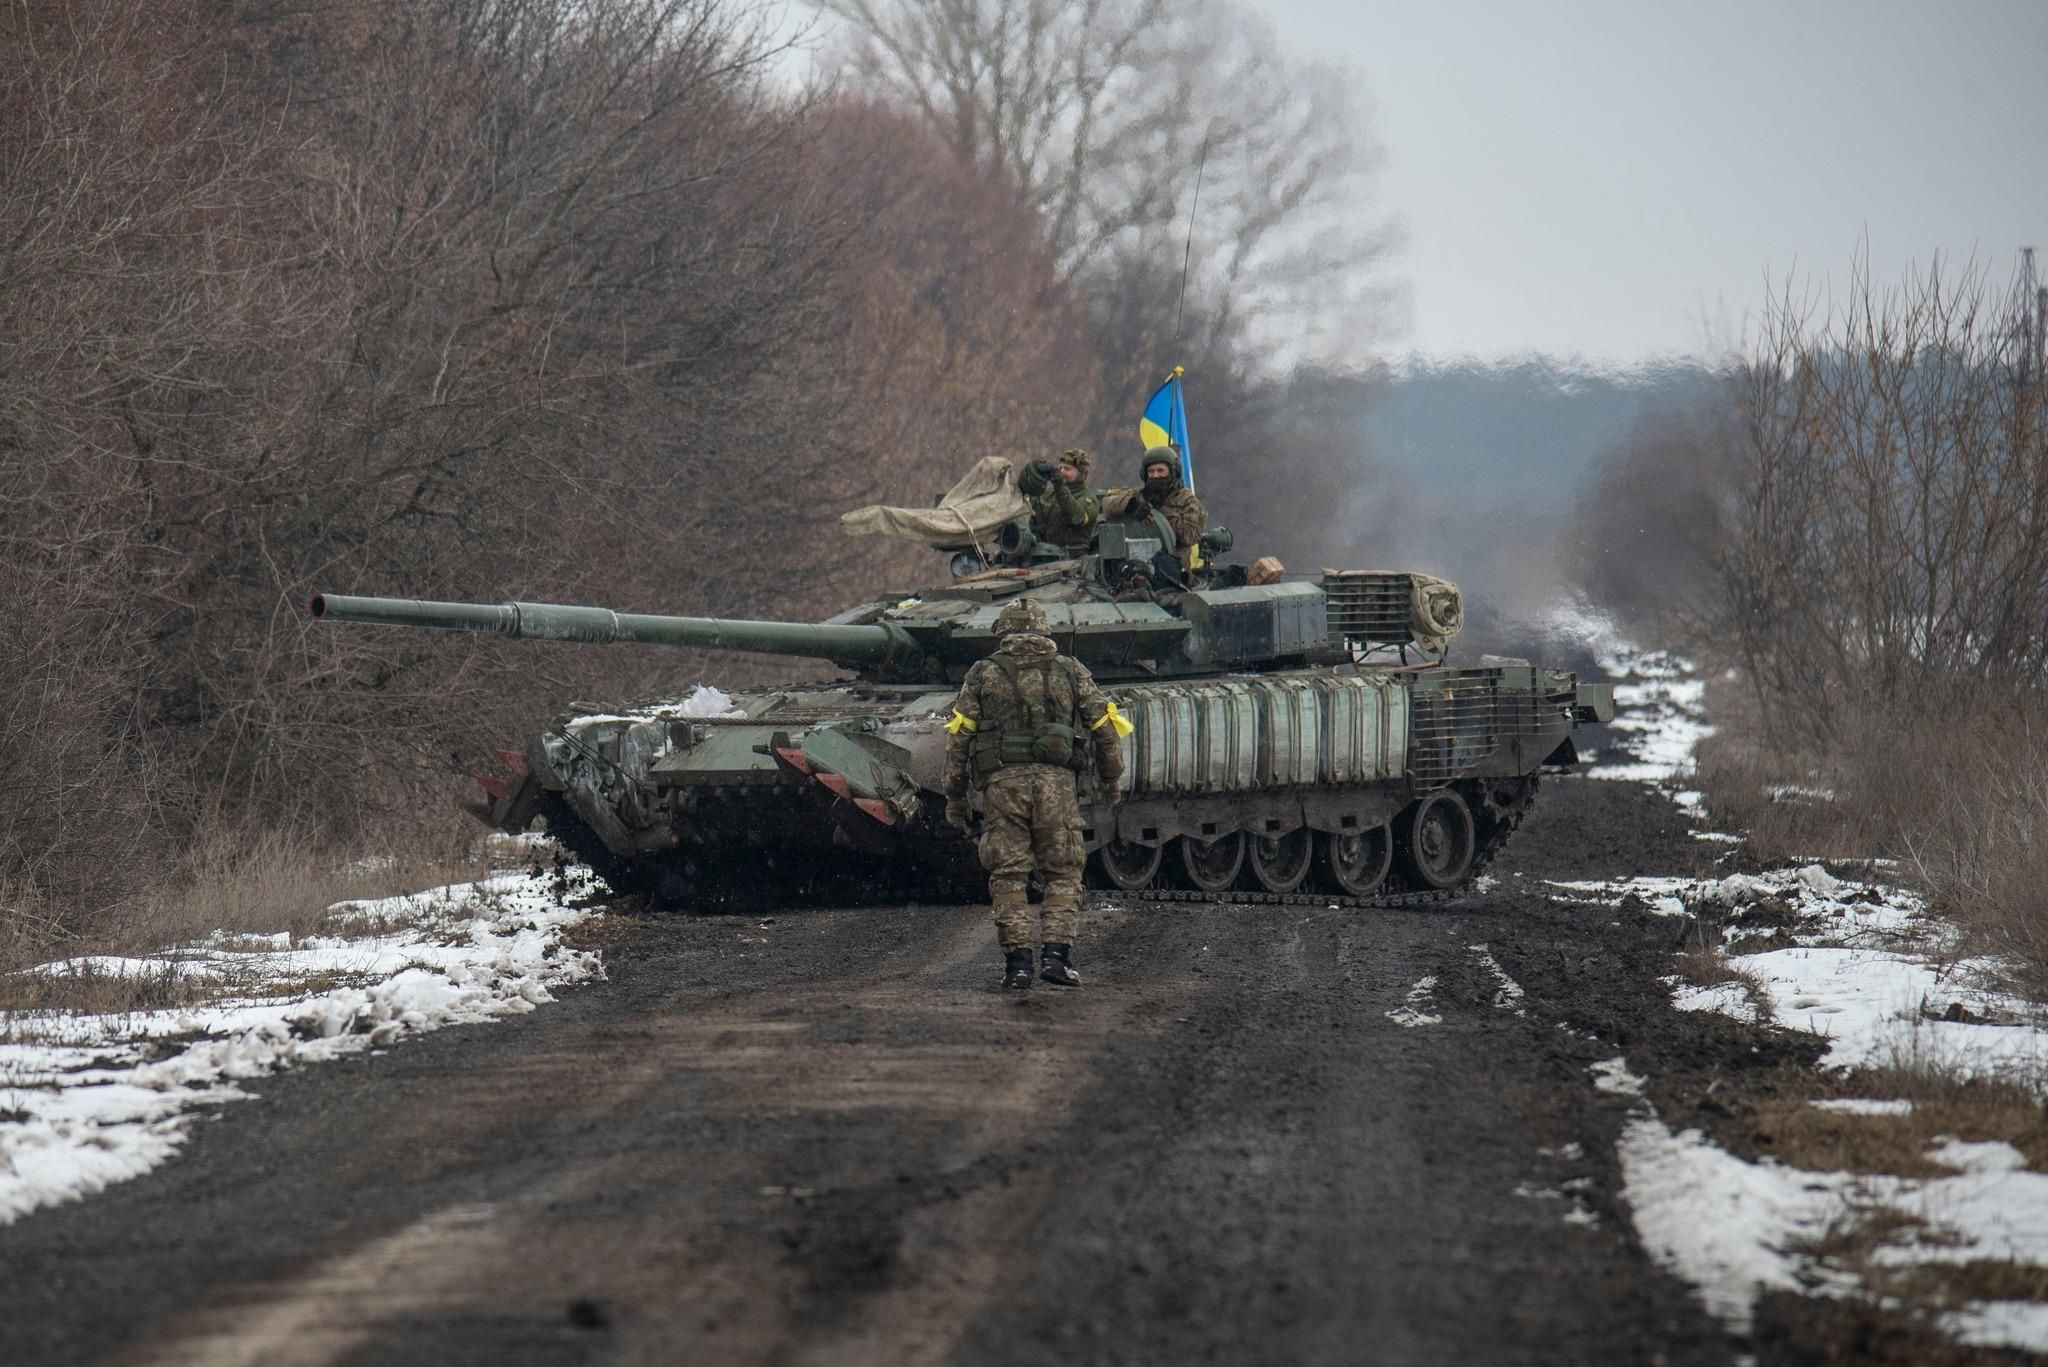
{"x":1857,"y":529}
{"x":478,"y":299}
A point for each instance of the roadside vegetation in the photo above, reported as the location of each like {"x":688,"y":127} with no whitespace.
{"x":1853,"y":542}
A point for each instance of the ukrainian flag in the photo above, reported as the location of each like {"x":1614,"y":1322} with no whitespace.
{"x":1165,"y":423}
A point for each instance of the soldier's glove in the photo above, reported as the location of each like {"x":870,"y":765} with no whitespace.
{"x":958,"y":814}
{"x":1137,"y":507}
{"x":1110,"y":795}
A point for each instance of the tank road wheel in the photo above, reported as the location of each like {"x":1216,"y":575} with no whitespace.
{"x":1353,"y":863}
{"x":1211,"y":865}
{"x":1280,"y":863}
{"x":1129,"y":866}
{"x":1437,"y":839}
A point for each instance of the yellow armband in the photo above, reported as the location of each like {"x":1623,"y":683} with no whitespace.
{"x":961,"y":722}
{"x":1111,"y":717}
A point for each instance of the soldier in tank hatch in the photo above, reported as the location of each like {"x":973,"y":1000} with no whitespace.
{"x":1027,"y":723}
{"x":1063,"y":508}
{"x":1161,"y":491}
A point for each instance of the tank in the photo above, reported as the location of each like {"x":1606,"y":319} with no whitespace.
{"x":1296,"y":740}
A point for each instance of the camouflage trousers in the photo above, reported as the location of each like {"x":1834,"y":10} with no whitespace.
{"x":1030,"y":820}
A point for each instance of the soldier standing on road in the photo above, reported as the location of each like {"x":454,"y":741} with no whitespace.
{"x":1161,"y":491}
{"x":1063,"y":508}
{"x":1027,"y":723}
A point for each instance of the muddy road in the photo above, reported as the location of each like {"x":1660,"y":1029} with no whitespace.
{"x":1257,"y":1135}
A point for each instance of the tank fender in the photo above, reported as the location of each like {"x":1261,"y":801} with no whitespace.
{"x":1354,"y":811}
{"x":870,"y":769}
{"x":1593,"y":702}
{"x":540,"y":763}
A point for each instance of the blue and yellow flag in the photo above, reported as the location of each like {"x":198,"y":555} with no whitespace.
{"x":1165,"y":423}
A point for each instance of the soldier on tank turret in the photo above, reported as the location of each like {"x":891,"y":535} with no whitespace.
{"x":1161,"y":491}
{"x":1063,"y":508}
{"x":1028,"y":721}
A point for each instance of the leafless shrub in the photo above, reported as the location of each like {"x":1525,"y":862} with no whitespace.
{"x":1882,"y":590}
{"x":1888,"y":546}
{"x":1103,"y":111}
{"x":1958,"y":799}
{"x":449,"y":298}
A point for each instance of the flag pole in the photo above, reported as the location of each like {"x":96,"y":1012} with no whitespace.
{"x":1187,"y":252}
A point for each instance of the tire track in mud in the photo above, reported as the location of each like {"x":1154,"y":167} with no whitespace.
{"x":823,"y":1137}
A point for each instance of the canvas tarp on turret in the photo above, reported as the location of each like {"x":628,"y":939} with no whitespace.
{"x":971,"y":511}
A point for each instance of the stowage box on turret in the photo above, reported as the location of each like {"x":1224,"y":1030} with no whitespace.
{"x":1288,"y":737}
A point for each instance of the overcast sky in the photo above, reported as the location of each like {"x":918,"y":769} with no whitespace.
{"x":1615,"y":177}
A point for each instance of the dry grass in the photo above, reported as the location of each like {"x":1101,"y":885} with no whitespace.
{"x":1756,"y":785}
{"x":1892,"y":1319}
{"x":1861,"y":1332}
{"x":1706,"y":967}
{"x":1784,"y":1124}
{"x":231,"y":891}
{"x":1802,"y":1135}
{"x":1959,"y":799}
{"x":1854,"y":1239}
{"x":1950,"y":1286}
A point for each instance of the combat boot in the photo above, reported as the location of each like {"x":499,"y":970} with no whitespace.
{"x":1056,"y":965}
{"x":1017,"y":970}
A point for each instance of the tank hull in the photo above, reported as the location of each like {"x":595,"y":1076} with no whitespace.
{"x":1287,"y":781}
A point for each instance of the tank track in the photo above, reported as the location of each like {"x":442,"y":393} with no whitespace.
{"x":1496,"y":840}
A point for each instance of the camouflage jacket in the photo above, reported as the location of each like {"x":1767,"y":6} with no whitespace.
{"x":1048,"y":689}
{"x":1065,"y":515}
{"x":1184,"y":513}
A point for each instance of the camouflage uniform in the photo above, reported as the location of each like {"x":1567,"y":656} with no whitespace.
{"x":1175,"y":501}
{"x":1062,"y":513}
{"x":1031,"y":818}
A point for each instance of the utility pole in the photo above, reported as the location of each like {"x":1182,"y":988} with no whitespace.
{"x":2030,"y":319}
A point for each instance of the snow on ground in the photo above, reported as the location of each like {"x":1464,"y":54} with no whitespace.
{"x":1420,"y":1009}
{"x":86,"y":1101}
{"x":1864,"y":966}
{"x":1507,"y":993}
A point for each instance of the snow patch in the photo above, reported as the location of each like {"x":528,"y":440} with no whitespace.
{"x":1421,"y":998}
{"x":1507,"y":994}
{"x":1863,"y":1106}
{"x":1719,"y":1222}
{"x":1612,"y":1075}
{"x":1729,"y":999}
{"x":706,"y":701}
{"x":94,"y":1100}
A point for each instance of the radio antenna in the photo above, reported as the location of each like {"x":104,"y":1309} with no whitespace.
{"x":1188,"y":251}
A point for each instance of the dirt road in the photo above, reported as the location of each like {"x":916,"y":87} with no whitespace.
{"x":825,"y":1138}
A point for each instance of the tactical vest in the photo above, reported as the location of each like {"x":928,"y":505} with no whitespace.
{"x":997,"y":745}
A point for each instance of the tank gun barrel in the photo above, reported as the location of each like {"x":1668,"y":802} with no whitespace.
{"x":865,"y":645}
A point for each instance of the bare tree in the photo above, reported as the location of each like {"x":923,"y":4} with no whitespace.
{"x":1888,"y":545}
{"x":1106,"y":110}
{"x":455,"y":298}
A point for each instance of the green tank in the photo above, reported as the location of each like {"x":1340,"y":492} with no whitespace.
{"x":1292,"y":741}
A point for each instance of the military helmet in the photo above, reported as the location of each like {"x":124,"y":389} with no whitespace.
{"x":1077,"y":458}
{"x":1159,"y":455}
{"x":1022,"y":614}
